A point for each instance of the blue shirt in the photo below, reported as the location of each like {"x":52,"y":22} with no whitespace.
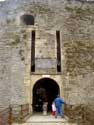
{"x":58,"y":102}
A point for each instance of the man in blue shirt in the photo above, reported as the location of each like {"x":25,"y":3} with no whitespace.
{"x":58,"y":103}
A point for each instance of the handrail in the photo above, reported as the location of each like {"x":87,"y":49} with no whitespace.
{"x":24,"y":111}
{"x":20,"y":112}
{"x":76,"y":113}
{"x":14,"y":113}
{"x":6,"y":116}
{"x":4,"y":110}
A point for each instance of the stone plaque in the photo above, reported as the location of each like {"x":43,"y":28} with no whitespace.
{"x":45,"y":63}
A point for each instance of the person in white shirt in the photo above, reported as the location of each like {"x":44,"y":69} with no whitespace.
{"x":53,"y":109}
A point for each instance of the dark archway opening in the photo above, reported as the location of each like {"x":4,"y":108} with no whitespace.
{"x":27,"y":19}
{"x":45,"y":89}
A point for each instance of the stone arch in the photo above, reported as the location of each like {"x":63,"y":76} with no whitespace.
{"x":45,"y":89}
{"x":27,"y":19}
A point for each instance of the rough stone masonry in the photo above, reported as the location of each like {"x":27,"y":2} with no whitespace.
{"x":75,"y":21}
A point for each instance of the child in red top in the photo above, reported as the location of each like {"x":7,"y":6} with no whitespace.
{"x":53,"y":109}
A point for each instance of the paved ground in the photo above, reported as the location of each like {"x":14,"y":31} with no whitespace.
{"x":46,"y":120}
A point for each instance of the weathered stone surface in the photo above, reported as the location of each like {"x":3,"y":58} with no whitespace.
{"x":81,"y":114}
{"x":74,"y":19}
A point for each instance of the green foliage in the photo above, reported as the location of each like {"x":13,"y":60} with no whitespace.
{"x":16,"y":40}
{"x":69,"y":9}
{"x":21,"y":54}
{"x":80,"y":10}
{"x":76,"y":9}
{"x":24,"y":36}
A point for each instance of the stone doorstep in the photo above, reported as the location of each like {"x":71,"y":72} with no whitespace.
{"x":46,"y":119}
{"x":45,"y":124}
{"x":48,"y":122}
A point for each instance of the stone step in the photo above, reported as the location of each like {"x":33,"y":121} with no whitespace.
{"x":46,"y":120}
{"x":46,"y":124}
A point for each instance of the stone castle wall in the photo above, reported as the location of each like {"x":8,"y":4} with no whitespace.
{"x":74,"y":19}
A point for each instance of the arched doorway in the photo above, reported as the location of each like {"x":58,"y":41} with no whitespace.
{"x":45,"y":89}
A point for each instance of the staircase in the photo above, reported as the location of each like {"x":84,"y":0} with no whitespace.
{"x":46,"y":120}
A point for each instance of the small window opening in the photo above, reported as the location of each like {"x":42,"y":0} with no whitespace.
{"x":58,"y":51}
{"x":33,"y":51}
{"x":27,"y":19}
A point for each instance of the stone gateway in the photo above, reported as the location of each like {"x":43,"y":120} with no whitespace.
{"x":47,"y":48}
